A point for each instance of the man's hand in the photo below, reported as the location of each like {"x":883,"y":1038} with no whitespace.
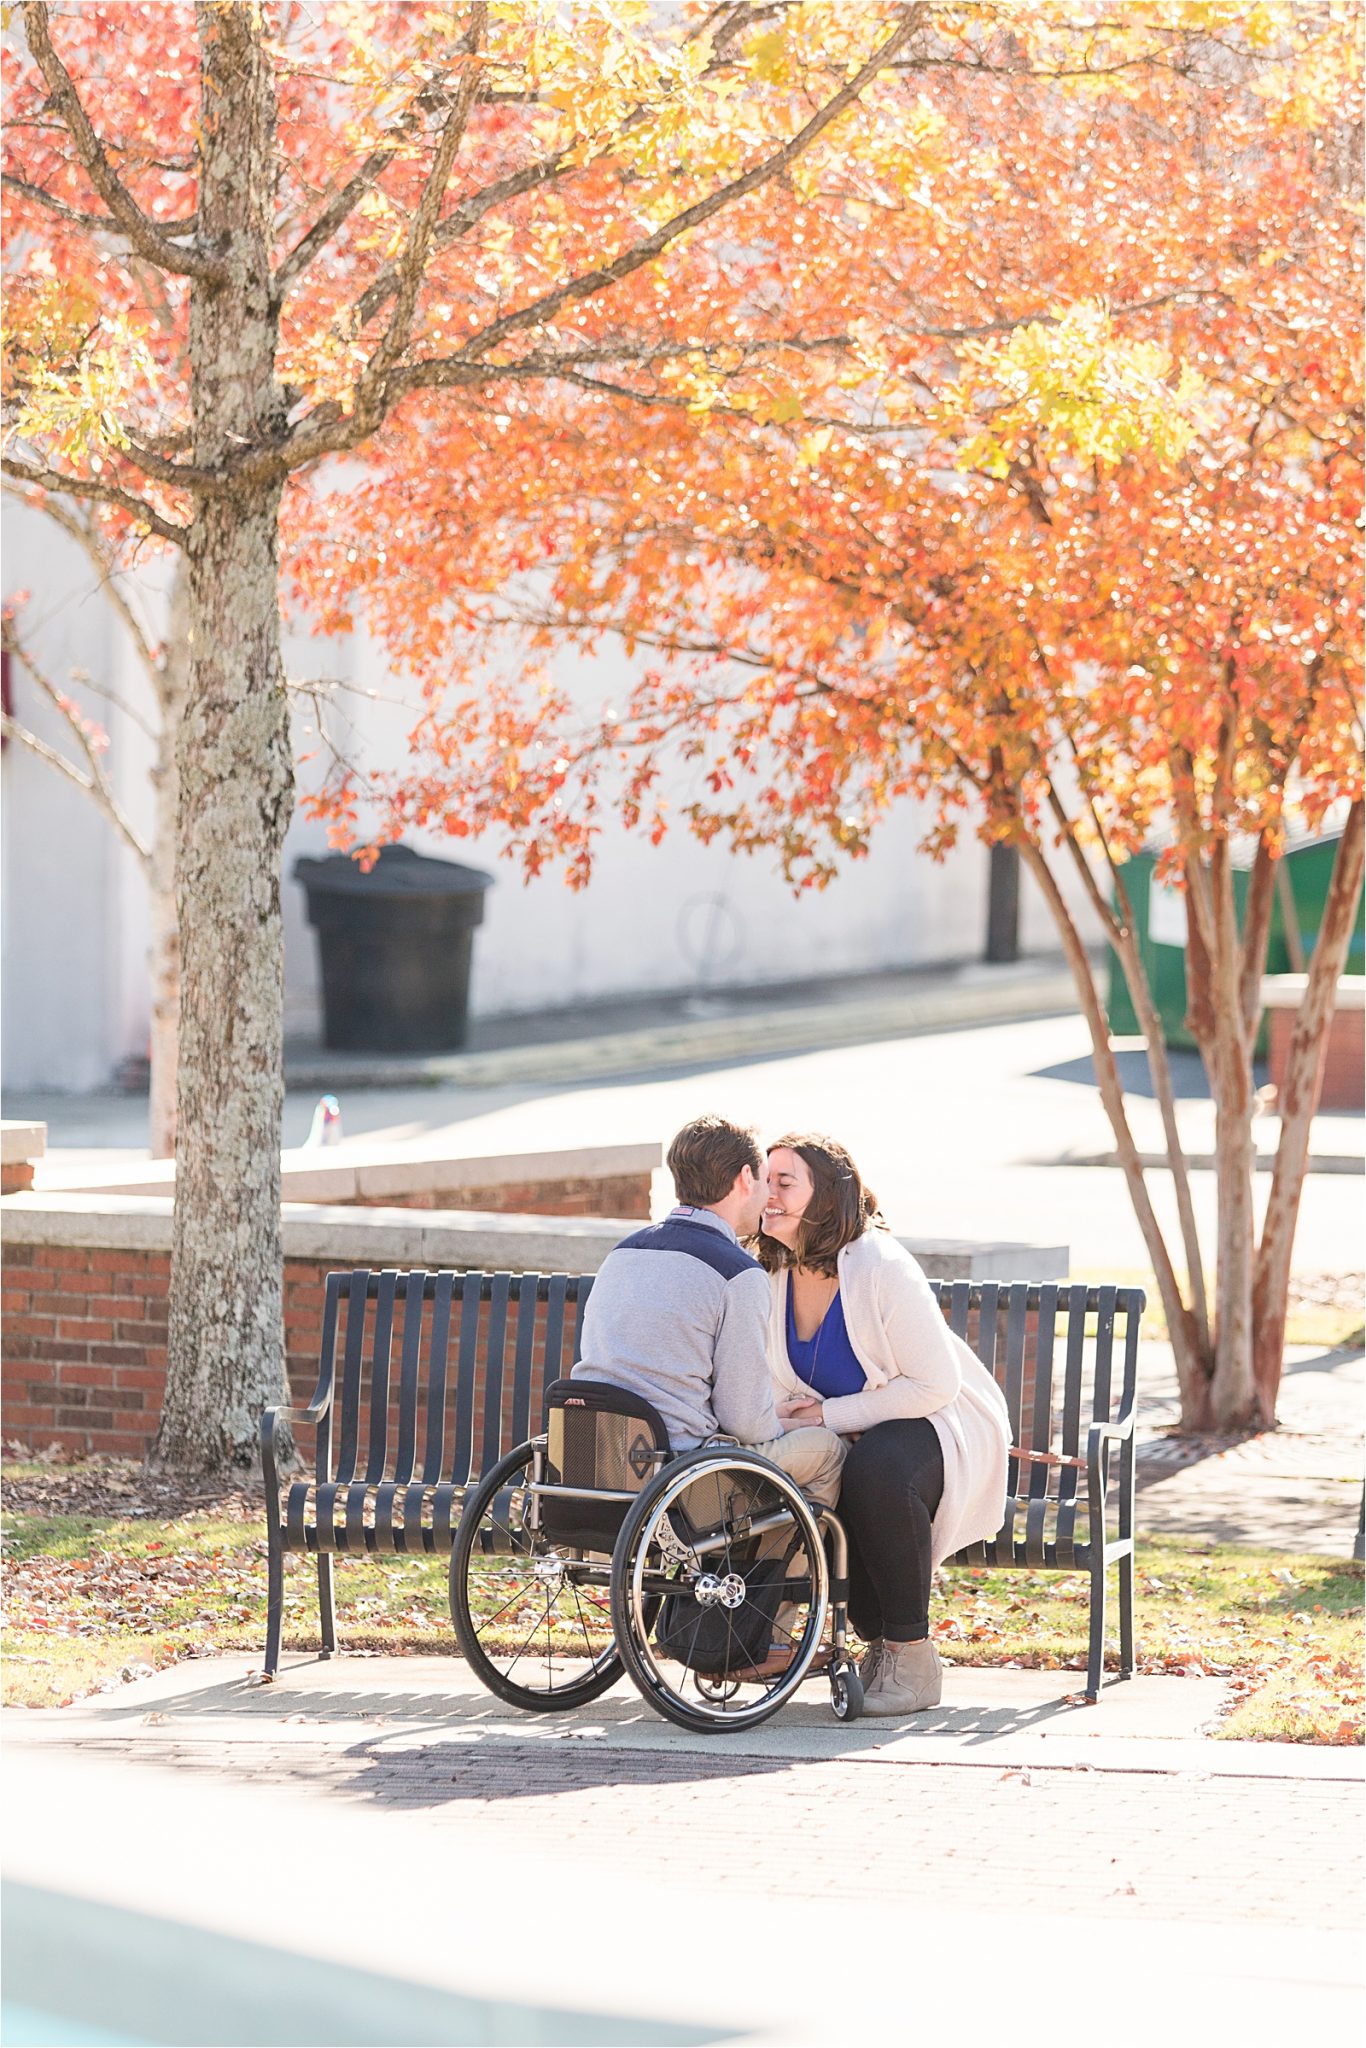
{"x":802,"y":1412}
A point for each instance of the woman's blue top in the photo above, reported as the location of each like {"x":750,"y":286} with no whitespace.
{"x":825,"y":1361}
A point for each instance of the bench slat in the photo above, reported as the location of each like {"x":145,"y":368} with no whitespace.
{"x":1041,"y":1426}
{"x":410,"y":1366}
{"x":438,"y":1350}
{"x":327,"y":1375}
{"x":524,"y":1359}
{"x":495,"y":1360}
{"x":381,"y":1349}
{"x":467,"y":1372}
{"x":356,"y":1299}
{"x":1069,"y":1478}
{"x":552,"y":1351}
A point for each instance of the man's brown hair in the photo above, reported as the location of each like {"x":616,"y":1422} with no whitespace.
{"x":841,"y":1208}
{"x":706,"y":1156}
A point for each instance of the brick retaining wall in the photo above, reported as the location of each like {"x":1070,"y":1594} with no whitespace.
{"x":622,"y":1194}
{"x":83,"y":1360}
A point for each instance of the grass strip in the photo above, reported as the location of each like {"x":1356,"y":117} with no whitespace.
{"x":109,"y":1576}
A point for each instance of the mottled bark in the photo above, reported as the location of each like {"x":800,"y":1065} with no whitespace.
{"x":1193,"y":1397}
{"x":1227,"y":1052}
{"x":163,"y":948}
{"x":1299,"y":1100}
{"x":236,"y":792}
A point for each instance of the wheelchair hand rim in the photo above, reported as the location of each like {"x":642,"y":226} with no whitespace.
{"x":663,"y":1495}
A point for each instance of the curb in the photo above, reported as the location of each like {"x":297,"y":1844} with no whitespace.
{"x":754,"y":1034}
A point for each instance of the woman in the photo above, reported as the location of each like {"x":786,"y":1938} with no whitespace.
{"x":857,"y":1342}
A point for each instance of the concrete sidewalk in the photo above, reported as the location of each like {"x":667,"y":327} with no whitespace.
{"x":1294,"y":1488}
{"x":379,"y":1830}
{"x":649,"y":1033}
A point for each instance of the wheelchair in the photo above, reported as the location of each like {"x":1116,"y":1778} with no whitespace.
{"x":707,"y":1575}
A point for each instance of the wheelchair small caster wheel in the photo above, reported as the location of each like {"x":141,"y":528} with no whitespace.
{"x":846,"y":1695}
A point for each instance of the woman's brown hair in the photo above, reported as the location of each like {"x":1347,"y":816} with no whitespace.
{"x":841,"y":1208}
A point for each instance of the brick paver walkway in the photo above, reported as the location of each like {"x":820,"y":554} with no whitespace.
{"x":1127,"y":1845}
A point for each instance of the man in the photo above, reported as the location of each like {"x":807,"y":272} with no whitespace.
{"x":679,"y":1312}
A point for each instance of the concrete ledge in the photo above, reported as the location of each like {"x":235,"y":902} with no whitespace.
{"x":435,"y":1239}
{"x":356,"y":1173}
{"x":448,"y":1239}
{"x":1286,"y":992}
{"x":20,"y":1142}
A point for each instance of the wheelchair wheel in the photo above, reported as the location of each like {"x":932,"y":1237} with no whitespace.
{"x":713,"y":1533}
{"x":533,"y":1620}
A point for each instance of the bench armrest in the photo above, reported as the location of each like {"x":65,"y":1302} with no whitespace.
{"x":271,"y":1419}
{"x":310,"y":1416}
{"x":1116,"y":1432}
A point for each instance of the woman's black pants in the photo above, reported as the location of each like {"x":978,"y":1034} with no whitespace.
{"x":892,"y":1483}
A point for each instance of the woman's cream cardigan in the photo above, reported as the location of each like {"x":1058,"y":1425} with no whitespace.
{"x":914,"y":1365}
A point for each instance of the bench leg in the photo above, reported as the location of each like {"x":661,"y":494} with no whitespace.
{"x":1095,"y":1663}
{"x":275,"y":1600}
{"x":1126,"y":1616}
{"x":327,"y":1613}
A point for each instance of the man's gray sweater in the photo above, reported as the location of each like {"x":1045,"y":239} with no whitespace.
{"x":679,"y":1313}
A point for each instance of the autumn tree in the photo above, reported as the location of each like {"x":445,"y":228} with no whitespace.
{"x":294,"y":226}
{"x":1042,"y":507}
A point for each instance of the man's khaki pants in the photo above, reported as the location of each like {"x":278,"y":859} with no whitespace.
{"x":812,"y":1456}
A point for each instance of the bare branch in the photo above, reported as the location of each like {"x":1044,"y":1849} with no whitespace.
{"x":44,"y":479}
{"x":345,"y":202}
{"x":457,"y":223}
{"x":412,"y":262}
{"x":89,"y":223}
{"x":88,"y":537}
{"x":95,"y":783}
{"x":181,"y":476}
{"x":146,"y":235}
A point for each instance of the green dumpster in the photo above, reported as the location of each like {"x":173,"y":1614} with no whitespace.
{"x":1160,"y":916}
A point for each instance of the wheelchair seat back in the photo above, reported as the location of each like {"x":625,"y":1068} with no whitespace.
{"x":604,"y":1444}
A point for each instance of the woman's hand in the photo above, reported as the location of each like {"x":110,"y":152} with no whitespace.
{"x":802,"y":1412}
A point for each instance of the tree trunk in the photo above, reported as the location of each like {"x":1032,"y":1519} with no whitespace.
{"x":1299,"y":1100}
{"x":225,"y":1358}
{"x":1233,"y":1400}
{"x":163,"y":951}
{"x":1180,"y":1323}
{"x":1226,"y":1047}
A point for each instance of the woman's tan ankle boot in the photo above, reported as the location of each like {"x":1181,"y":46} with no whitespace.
{"x":909,"y":1678}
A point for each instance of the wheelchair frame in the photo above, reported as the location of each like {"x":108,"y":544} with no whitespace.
{"x":659,"y":1553}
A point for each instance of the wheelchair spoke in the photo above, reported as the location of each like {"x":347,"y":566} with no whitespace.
{"x":532,"y":1634}
{"x":709,"y":1668}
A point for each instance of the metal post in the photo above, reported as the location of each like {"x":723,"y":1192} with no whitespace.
{"x":1003,"y":905}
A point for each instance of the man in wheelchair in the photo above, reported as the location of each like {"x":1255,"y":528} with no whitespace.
{"x":679,"y":1313}
{"x":647,"y":1529}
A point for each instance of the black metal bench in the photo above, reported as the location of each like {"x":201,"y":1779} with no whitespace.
{"x":395,"y":1478}
{"x":1060,"y":1432}
{"x":435,"y":1375}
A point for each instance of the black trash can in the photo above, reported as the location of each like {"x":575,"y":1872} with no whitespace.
{"x":395,"y":947}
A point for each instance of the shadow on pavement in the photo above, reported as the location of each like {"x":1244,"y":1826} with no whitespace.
{"x":1187,"y":1070}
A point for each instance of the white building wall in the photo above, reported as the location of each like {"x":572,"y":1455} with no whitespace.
{"x":73,"y":931}
{"x":677,"y":916}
